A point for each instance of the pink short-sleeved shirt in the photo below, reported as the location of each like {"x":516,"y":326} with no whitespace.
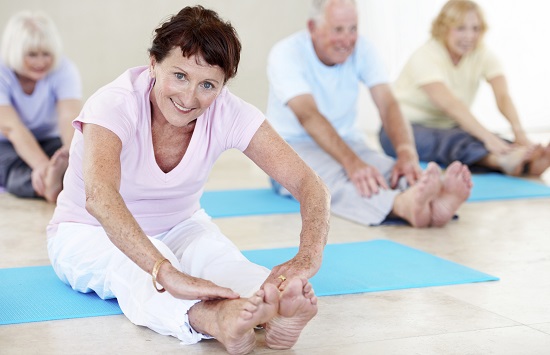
{"x":156,"y":199}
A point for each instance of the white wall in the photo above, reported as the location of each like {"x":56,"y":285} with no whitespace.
{"x":518,"y":33}
{"x":104,"y":37}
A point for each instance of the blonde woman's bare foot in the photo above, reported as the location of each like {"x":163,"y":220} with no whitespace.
{"x":53,"y":180}
{"x":297,"y":306}
{"x":457,"y":185}
{"x":232,"y":322}
{"x":513,"y":162}
{"x":540,"y":161}
{"x":414,"y":204}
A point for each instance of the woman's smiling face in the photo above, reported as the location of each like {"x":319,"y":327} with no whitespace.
{"x":36,"y":64}
{"x":464,"y":38}
{"x":184,"y":87}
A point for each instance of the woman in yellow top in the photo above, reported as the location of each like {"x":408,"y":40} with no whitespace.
{"x":437,"y":87}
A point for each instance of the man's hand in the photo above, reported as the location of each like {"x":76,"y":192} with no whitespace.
{"x":366,"y":178}
{"x":406,"y":165}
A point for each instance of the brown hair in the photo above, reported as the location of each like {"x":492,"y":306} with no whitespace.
{"x":198,"y":31}
{"x":452,"y":14}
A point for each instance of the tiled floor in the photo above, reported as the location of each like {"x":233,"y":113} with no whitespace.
{"x":508,"y":239}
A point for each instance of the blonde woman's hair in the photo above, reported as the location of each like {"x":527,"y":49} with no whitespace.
{"x":452,"y":15}
{"x":29,"y":31}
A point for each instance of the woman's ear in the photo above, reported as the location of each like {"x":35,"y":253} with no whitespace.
{"x":152,"y":63}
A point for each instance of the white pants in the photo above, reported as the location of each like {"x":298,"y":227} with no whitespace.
{"x":84,"y":258}
{"x":346,"y":202}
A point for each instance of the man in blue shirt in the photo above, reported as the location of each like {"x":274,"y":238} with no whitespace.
{"x":314,"y":78}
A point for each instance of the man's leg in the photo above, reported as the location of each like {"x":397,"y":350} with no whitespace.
{"x":346,"y":202}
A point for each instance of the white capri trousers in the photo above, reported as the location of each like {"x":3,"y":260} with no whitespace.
{"x":346,"y":202}
{"x":86,"y":259}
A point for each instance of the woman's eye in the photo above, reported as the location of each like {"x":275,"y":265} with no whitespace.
{"x":207,"y":85}
{"x":180,"y":76}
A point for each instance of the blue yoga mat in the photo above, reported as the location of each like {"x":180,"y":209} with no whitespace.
{"x":34,"y":294}
{"x":248,"y":202}
{"x":494,"y":186}
{"x":378,"y":265}
{"x":235,"y":203}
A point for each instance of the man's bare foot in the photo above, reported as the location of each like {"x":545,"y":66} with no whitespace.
{"x":540,"y":161}
{"x":232,"y":322}
{"x":457,"y":185}
{"x":414,"y":204}
{"x":297,"y":306}
{"x":53,"y":180}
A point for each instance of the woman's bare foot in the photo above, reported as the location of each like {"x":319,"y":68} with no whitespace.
{"x":297,"y":306}
{"x":232,"y":322}
{"x":540,"y":161}
{"x":457,"y":185}
{"x":414,"y":204}
{"x":53,"y":180}
{"x":513,"y":163}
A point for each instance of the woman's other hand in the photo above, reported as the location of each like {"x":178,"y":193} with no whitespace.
{"x":187,"y":287}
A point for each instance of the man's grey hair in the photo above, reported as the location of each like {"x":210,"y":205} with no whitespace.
{"x":317,"y":11}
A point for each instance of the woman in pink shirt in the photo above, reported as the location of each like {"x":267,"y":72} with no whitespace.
{"x":40,"y":94}
{"x":143,"y":148}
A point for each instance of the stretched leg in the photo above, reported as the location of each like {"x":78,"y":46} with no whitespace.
{"x":511,"y":163}
{"x":414,"y":204}
{"x":540,"y":161}
{"x":297,"y":306}
{"x":456,"y":188}
{"x":232,"y":322}
{"x":54,"y":175}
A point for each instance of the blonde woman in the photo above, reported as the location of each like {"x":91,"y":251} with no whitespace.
{"x":437,"y":87}
{"x":40,"y":93}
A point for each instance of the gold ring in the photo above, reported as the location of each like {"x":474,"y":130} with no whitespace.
{"x":282,"y":278}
